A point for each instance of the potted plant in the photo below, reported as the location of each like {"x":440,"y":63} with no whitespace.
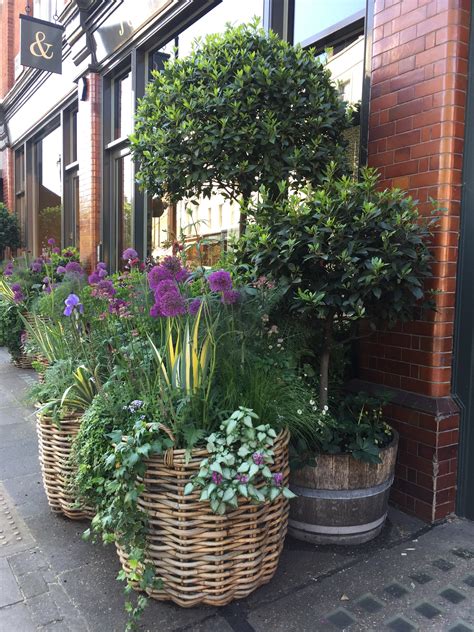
{"x":9,"y":231}
{"x":344,"y":252}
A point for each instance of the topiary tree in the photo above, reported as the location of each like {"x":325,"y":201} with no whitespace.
{"x":9,"y":230}
{"x":345,"y":252}
{"x":244,"y":109}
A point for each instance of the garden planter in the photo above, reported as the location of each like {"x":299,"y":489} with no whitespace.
{"x":23,"y":360}
{"x":342,"y":500}
{"x":204,"y":558}
{"x":54,"y":443}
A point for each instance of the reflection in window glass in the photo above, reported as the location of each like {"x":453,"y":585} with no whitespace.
{"x":124,"y":184}
{"x":49,"y":188}
{"x":123,"y":106}
{"x":315,"y":16}
{"x":20,"y":201}
{"x":158,"y":230}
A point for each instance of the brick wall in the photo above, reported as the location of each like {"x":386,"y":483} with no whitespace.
{"x":89,"y":157}
{"x":416,"y":131}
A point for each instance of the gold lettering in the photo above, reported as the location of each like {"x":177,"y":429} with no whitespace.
{"x":43,"y":49}
{"x":122,"y":29}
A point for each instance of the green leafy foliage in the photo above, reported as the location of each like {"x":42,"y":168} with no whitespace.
{"x":9,"y":230}
{"x":244,"y":109}
{"x":239,"y":465}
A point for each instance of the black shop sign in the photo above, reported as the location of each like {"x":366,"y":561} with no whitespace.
{"x":40,"y":44}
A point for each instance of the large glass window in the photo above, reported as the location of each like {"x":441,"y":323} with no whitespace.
{"x":123,"y":168}
{"x":71,"y":179}
{"x":315,"y":19}
{"x":48,"y":171}
{"x":20,"y":194}
{"x":122,"y":106}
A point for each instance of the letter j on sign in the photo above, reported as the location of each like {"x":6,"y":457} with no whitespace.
{"x":41,"y":44}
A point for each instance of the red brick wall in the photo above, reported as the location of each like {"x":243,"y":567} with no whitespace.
{"x":416,"y":131}
{"x":89,"y":157}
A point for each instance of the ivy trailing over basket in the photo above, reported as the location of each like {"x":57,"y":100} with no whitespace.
{"x":239,"y":464}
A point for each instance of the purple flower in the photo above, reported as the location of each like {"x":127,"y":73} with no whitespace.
{"x":36,"y":266}
{"x":129,"y":253}
{"x":194,"y":306}
{"x":155,"y":311}
{"x":258,"y":458}
{"x":165,"y":286}
{"x":73,"y":267}
{"x":18,"y":297}
{"x":16,"y":287}
{"x":172,"y":304}
{"x":104,"y":289}
{"x":101,"y":266}
{"x":220,"y":281}
{"x":8,"y":271}
{"x":68,"y":253}
{"x":230,"y":297}
{"x":60,"y":270}
{"x":56,"y":250}
{"x":51,"y":241}
{"x":242,"y":478}
{"x":278,"y":479}
{"x":93,"y":278}
{"x":135,"y":405}
{"x":72,"y":303}
{"x":216,"y":478}
{"x":157,"y":274}
{"x":119,"y":306}
{"x":102,"y":272}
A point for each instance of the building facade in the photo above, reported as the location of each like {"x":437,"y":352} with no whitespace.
{"x":67,"y":173}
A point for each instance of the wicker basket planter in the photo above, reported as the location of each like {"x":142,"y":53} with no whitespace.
{"x":201,"y":557}
{"x":54,"y":442}
{"x":23,"y":361}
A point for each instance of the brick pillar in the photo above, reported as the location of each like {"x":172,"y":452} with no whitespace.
{"x":416,"y":132}
{"x":89,"y":157}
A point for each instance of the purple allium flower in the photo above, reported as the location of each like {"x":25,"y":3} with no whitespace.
{"x":155,"y":311}
{"x":129,"y":253}
{"x":194,"y":306}
{"x":16,"y":287}
{"x":101,"y":266}
{"x":72,"y":303}
{"x":36,"y":266}
{"x":175,"y":267}
{"x":102,"y":272}
{"x":104,"y":289}
{"x":73,"y":267}
{"x":18,"y":297}
{"x":242,"y":478}
{"x":56,"y":250}
{"x":220,"y":281}
{"x":216,"y":478}
{"x":258,"y":458}
{"x":157,"y":274}
{"x":278,"y":479}
{"x":68,"y":253}
{"x":8,"y":271}
{"x":46,"y":280}
{"x":60,"y":270}
{"x":93,"y":278}
{"x":230,"y":297}
{"x":165,"y":286}
{"x":172,"y":304}
{"x":51,"y":241}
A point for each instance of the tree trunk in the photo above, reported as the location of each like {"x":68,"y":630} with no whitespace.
{"x":324,"y":362}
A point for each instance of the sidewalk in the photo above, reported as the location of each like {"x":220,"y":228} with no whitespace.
{"x":412,"y":577}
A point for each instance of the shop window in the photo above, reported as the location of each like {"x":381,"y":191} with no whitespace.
{"x":71,"y":179}
{"x":48,"y":187}
{"x":45,"y":9}
{"x":122,"y":106}
{"x":318,"y":20}
{"x":20,"y":194}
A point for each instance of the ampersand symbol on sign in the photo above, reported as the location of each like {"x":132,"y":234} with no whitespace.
{"x":43,"y":49}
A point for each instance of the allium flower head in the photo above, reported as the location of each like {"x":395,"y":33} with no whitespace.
{"x":101,"y":266}
{"x":155,"y":311}
{"x":93,"y":278}
{"x":220,"y":281}
{"x":157,"y":274}
{"x":165,"y":286}
{"x":172,"y":304}
{"x":51,"y":241}
{"x":56,"y":250}
{"x":16,"y":287}
{"x":60,"y":270}
{"x":194,"y":306}
{"x":36,"y":266}
{"x":8,"y":271}
{"x":129,"y":253}
{"x":73,"y":267}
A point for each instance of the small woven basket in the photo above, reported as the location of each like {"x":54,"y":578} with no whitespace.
{"x":54,"y":442}
{"x":201,"y":557}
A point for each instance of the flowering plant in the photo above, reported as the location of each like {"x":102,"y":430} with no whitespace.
{"x":239,"y":465}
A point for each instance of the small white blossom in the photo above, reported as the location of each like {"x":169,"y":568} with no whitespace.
{"x":312,"y":402}
{"x":299,"y":411}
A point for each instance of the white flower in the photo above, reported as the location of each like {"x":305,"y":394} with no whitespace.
{"x":270,"y":346}
{"x":311,"y":402}
{"x":315,"y":408}
{"x":299,"y":411}
{"x":325,"y":408}
{"x":280,"y":340}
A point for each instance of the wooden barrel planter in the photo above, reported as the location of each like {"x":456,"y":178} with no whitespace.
{"x":203,"y":558}
{"x":342,"y":500}
{"x":54,"y":442}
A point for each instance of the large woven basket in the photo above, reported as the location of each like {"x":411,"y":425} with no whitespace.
{"x":203,"y":558}
{"x":23,"y":361}
{"x":54,"y":442}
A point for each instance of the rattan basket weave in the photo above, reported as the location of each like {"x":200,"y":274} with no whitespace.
{"x":201,"y":557}
{"x":23,"y":361}
{"x":54,"y":442}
